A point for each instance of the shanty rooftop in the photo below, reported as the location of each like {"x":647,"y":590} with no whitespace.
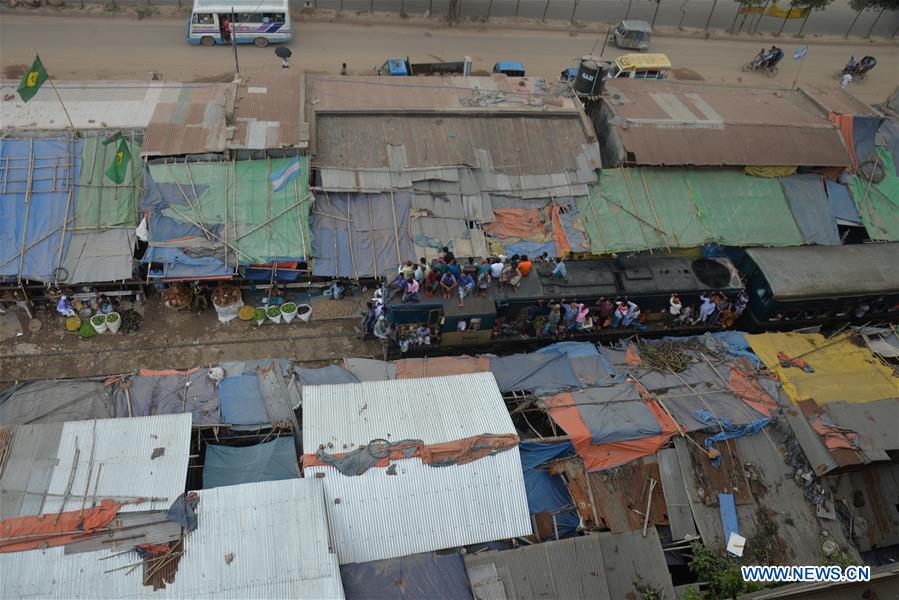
{"x":696,"y":123}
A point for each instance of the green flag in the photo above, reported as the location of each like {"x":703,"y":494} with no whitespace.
{"x":33,"y":79}
{"x":119,"y":167}
{"x":113,"y":138}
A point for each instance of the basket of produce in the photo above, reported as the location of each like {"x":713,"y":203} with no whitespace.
{"x":288,"y":311}
{"x":260,"y":315}
{"x":304,"y":311}
{"x":225,"y":295}
{"x":177,"y":297}
{"x":274,"y":314}
{"x":113,"y":321}
{"x":86,"y":330}
{"x":73,"y":324}
{"x":246,"y":313}
{"x":99,"y":323}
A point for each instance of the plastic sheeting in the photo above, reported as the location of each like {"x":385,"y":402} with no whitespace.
{"x":841,"y":205}
{"x":236,"y":205}
{"x":102,"y":256}
{"x":55,"y":402}
{"x":37,"y":204}
{"x":414,"y":577}
{"x":270,"y":461}
{"x":171,"y":392}
{"x":810,"y":206}
{"x":439,"y":366}
{"x":101,"y":202}
{"x":242,"y":402}
{"x":843,"y":371}
{"x":878,"y":203}
{"x":360,"y":235}
{"x":548,"y":494}
{"x":534,"y":454}
{"x":864,"y":129}
{"x":637,"y":209}
{"x":635,"y":441}
{"x":534,"y":372}
{"x":331,"y":374}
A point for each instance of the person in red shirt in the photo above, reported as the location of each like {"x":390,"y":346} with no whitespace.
{"x":525,"y":265}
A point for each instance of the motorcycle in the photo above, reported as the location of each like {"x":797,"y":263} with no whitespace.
{"x":859,"y":70}
{"x":764,"y":61}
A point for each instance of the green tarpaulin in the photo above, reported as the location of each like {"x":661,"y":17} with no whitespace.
{"x":101,"y":202}
{"x":878,"y":203}
{"x":236,"y":200}
{"x":640,"y":209}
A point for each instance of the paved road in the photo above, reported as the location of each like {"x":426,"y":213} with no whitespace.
{"x":102,"y":48}
{"x":835,"y":20}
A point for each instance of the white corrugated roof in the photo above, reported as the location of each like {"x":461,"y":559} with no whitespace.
{"x":422,"y":508}
{"x":434,"y":409}
{"x":276,"y":531}
{"x":140,"y":457}
{"x":91,"y":104}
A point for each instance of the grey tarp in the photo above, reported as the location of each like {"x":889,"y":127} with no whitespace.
{"x":55,"y":402}
{"x":615,"y":414}
{"x":864,"y":130}
{"x":271,"y":461}
{"x":326,"y":375}
{"x":411,"y":577}
{"x":369,"y":369}
{"x":542,"y":372}
{"x":171,"y":394}
{"x":360,"y":235}
{"x":811,"y":208}
{"x":99,"y":256}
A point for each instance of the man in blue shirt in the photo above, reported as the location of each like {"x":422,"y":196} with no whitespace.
{"x":466,"y":285}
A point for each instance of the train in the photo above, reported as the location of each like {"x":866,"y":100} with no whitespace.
{"x":788,"y":288}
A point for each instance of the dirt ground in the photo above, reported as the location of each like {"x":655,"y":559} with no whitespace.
{"x":170,"y":339}
{"x":95,"y":44}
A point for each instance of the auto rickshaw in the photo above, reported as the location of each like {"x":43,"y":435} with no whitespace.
{"x":634,"y":35}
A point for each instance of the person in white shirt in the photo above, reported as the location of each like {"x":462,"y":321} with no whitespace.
{"x":845,"y":80}
{"x":707,"y":308}
{"x":496,"y":268}
{"x":675,"y":308}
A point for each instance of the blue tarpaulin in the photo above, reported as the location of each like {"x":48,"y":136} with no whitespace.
{"x":842,"y":206}
{"x":547,"y":493}
{"x":178,"y":265}
{"x":242,"y":402}
{"x":727,"y":430}
{"x":736,"y":345}
{"x":572,"y":349}
{"x":534,"y":372}
{"x":534,"y":454}
{"x":413,"y":577}
{"x":229,"y":465}
{"x":810,"y":206}
{"x":32,"y":221}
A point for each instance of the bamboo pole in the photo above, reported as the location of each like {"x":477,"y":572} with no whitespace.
{"x":62,"y":238}
{"x":27,"y":206}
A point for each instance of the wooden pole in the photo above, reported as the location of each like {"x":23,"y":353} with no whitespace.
{"x":61,"y":103}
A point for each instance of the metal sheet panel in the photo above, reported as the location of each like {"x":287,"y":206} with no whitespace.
{"x":30,"y":460}
{"x":141,"y":457}
{"x":194,"y":123}
{"x":635,"y":564}
{"x":269,"y":111}
{"x":265,"y":540}
{"x":572,"y":568}
{"x":679,"y":515}
{"x":420,"y":508}
{"x":434,"y":409}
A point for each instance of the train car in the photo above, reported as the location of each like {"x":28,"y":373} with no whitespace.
{"x":791,"y":288}
{"x":488,"y":322}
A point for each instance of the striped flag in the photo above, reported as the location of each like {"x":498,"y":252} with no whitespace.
{"x":287,"y":174}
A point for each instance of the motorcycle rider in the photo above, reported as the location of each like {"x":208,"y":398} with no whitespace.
{"x":774,"y":57}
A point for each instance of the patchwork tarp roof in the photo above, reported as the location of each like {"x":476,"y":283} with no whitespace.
{"x":233,"y":465}
{"x":638,"y":209}
{"x":878,"y":203}
{"x":227,"y":212}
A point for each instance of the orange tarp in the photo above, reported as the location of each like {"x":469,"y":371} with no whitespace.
{"x":29,"y":533}
{"x":844,"y":122}
{"x":162,"y":372}
{"x":523,"y":223}
{"x":409,"y":368}
{"x":564,"y":411}
{"x":459,"y":452}
{"x":750,"y":392}
{"x":563,"y":247}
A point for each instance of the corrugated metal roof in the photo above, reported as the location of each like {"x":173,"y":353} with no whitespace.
{"x":680,"y":517}
{"x":838,"y":100}
{"x":140,"y":457}
{"x":875,"y":520}
{"x":269,"y":111}
{"x":696,"y":123}
{"x":852,"y":270}
{"x":636,"y":564}
{"x":260,"y":540}
{"x":193,"y":123}
{"x":420,"y":508}
{"x":30,"y":459}
{"x":571,"y":568}
{"x":434,"y":409}
{"x":91,"y":105}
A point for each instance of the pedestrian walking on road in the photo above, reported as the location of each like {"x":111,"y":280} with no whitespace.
{"x":846,"y":79}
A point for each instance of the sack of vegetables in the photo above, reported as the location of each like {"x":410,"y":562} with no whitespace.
{"x":288,"y":311}
{"x":113,"y":321}
{"x":274,"y":314}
